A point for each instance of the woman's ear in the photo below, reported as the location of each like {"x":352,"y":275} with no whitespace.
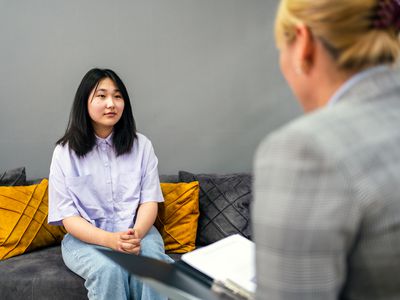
{"x":305,"y":48}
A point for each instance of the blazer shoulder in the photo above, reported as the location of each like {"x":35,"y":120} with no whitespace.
{"x":323,"y":132}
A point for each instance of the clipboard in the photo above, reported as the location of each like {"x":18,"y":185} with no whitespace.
{"x":177,"y":280}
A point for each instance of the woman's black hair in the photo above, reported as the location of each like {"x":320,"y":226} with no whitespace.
{"x":80,"y":133}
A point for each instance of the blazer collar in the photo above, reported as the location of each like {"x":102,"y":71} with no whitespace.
{"x":369,"y":84}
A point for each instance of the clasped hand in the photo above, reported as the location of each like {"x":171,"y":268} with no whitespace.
{"x":127,"y":241}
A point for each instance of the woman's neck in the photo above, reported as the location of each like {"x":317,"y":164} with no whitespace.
{"x":103,"y":133}
{"x":324,"y":80}
{"x":330,"y":85}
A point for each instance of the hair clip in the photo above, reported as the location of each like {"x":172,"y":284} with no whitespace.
{"x":387,"y":15}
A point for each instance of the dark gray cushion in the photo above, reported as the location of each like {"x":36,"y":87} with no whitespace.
{"x":169,"y":178}
{"x":13,"y":177}
{"x":224,"y":202}
{"x":39,"y":275}
{"x":34,"y":181}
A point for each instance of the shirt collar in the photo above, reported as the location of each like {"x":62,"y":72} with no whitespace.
{"x":353,"y":81}
{"x":107,"y":140}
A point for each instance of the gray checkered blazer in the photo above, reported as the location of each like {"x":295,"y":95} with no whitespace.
{"x":327,"y":200}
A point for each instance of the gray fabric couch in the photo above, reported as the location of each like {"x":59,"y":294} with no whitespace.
{"x":224,"y":210}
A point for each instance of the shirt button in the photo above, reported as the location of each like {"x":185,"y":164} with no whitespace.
{"x":108,"y":181}
{"x":106,"y":164}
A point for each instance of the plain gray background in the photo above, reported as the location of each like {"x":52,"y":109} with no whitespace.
{"x":203,"y":76}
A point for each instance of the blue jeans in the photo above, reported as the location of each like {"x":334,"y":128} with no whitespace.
{"x":105,"y":279}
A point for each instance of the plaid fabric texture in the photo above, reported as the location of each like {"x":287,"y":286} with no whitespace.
{"x":327,"y":200}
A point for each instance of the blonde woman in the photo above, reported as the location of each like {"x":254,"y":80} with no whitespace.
{"x":327,"y":186}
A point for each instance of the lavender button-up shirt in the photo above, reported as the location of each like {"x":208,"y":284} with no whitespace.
{"x":102,"y":188}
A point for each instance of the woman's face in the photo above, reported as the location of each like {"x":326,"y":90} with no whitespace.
{"x":285,"y":60}
{"x":105,"y":106}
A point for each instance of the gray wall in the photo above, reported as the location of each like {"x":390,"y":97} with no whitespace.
{"x":203,"y":76}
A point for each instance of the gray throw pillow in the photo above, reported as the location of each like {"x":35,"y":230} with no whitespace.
{"x":13,"y":177}
{"x":224,"y":202}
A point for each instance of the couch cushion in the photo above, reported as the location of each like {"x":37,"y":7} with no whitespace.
{"x":178,"y":216}
{"x":39,"y":275}
{"x":224,"y":205}
{"x":23,"y":215}
{"x":169,"y":178}
{"x":13,"y":177}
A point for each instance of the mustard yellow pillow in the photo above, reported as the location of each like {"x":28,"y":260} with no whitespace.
{"x":178,"y":215}
{"x":23,"y":215}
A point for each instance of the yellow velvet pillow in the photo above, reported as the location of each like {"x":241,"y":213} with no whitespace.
{"x":23,"y":220}
{"x":178,"y":215}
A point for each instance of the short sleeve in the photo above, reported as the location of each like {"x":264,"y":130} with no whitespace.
{"x":150,"y":184}
{"x":61,"y":204}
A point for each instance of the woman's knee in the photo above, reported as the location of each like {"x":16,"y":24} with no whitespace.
{"x":152,"y":244}
{"x":107,"y":268}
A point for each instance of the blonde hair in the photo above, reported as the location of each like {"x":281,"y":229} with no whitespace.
{"x":345,"y":27}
